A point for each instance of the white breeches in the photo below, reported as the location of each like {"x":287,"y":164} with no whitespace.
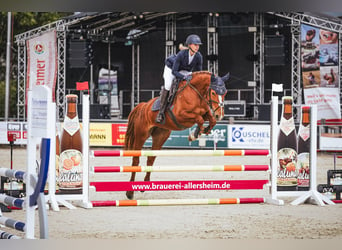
{"x":168,"y":76}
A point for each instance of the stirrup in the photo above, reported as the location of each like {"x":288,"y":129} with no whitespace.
{"x":160,"y":118}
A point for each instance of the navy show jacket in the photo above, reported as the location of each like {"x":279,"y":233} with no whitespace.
{"x":181,"y":62}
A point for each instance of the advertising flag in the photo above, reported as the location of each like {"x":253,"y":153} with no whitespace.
{"x":42,"y":61}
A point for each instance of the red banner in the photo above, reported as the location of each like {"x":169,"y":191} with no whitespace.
{"x":118,"y":134}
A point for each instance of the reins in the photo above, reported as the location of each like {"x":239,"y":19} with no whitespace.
{"x":192,"y":86}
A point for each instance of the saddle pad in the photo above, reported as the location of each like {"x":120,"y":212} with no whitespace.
{"x":156,"y":105}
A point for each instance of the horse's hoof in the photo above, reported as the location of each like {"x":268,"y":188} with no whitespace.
{"x":192,"y":137}
{"x":130,"y":195}
{"x":207,"y":130}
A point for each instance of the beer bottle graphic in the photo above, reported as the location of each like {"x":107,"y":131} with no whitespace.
{"x":70,"y":159}
{"x":287,"y":149}
{"x":303,"y":161}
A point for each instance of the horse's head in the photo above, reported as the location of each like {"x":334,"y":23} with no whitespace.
{"x":217,"y":92}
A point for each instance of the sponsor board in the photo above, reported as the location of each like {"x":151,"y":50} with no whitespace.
{"x":177,"y":139}
{"x":249,"y":136}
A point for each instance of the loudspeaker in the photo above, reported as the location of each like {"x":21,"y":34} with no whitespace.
{"x":274,"y":50}
{"x":274,"y":41}
{"x":275,"y":60}
{"x":77,"y":54}
{"x":96,"y":111}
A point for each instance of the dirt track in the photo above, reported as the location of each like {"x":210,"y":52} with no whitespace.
{"x":244,"y":221}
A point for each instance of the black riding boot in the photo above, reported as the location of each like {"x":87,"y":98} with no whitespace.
{"x":163,"y":103}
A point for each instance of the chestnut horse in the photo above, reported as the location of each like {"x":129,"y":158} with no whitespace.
{"x":196,"y":101}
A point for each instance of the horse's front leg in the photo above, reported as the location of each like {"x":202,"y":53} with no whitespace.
{"x":135,"y":162}
{"x":212,"y":122}
{"x":199,"y":129}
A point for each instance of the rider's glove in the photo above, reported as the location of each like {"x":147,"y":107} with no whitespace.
{"x":187,"y":77}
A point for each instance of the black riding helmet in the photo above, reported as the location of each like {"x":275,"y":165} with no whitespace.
{"x":193,"y":39}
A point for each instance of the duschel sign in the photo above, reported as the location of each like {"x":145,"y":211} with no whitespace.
{"x":249,"y":136}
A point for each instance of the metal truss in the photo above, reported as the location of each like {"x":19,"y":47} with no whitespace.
{"x":135,"y":74}
{"x":170,"y":35}
{"x":296,"y":88}
{"x":61,"y":77}
{"x":21,"y":98}
{"x":212,"y":42}
{"x":21,"y":43}
{"x":259,"y":64}
{"x":21,"y":39}
{"x":310,"y":19}
{"x":38,"y":31}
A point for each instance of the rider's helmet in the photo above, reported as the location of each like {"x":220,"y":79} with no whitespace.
{"x":193,"y":39}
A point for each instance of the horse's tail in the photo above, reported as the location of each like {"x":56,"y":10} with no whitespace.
{"x":129,"y":137}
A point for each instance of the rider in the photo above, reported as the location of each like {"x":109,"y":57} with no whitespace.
{"x":179,"y":67}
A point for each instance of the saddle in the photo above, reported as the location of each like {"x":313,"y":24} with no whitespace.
{"x":170,"y":99}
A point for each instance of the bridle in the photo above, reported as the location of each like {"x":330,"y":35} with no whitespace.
{"x":209,"y":101}
{"x":220,"y":103}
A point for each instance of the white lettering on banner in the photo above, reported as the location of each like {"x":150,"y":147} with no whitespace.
{"x":40,"y":72}
{"x":13,"y":126}
{"x":217,"y":134}
{"x":249,"y":136}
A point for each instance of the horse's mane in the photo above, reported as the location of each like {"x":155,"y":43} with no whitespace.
{"x":201,"y":77}
{"x":201,"y":72}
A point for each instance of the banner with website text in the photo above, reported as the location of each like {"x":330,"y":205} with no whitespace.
{"x":42,"y":61}
{"x":320,"y":70}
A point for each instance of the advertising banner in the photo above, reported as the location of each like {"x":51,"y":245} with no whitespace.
{"x":113,"y":134}
{"x":218,"y":136}
{"x":320,"y":58}
{"x":42,"y":61}
{"x":118,"y":134}
{"x":100,"y":134}
{"x":249,"y":136}
{"x":17,"y":128}
{"x":179,"y":139}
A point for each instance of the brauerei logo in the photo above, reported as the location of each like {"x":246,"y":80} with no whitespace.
{"x":39,"y":48}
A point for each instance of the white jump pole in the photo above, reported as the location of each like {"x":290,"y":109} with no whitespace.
{"x":84,"y":202}
{"x":38,"y":120}
{"x":313,"y":195}
{"x":51,"y":197}
{"x":30,"y":168}
{"x":273,"y":198}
